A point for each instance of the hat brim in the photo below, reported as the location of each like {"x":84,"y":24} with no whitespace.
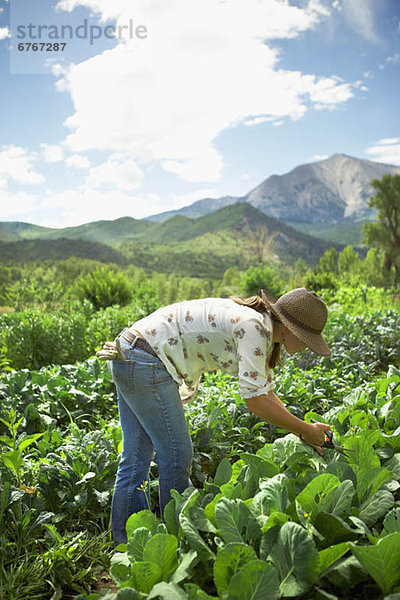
{"x":315,"y":341}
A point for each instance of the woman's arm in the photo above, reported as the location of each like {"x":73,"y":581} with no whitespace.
{"x":269,"y":407}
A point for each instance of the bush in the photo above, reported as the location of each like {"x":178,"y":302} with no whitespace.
{"x":261,"y":276}
{"x":106,"y":324}
{"x":33,"y":339}
{"x":104,"y":287}
{"x":320,"y":281}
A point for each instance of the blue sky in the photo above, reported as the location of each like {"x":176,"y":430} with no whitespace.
{"x":214,"y":98}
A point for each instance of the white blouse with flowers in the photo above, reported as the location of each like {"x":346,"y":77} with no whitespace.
{"x":209,"y":334}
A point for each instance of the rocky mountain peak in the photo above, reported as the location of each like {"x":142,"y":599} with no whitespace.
{"x":326,"y":191}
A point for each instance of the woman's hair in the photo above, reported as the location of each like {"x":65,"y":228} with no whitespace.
{"x":258,"y":304}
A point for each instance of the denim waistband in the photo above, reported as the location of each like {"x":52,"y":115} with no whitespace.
{"x":137,"y":342}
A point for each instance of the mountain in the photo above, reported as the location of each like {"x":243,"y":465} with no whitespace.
{"x":202,"y":247}
{"x":328,"y":191}
{"x":197,"y":209}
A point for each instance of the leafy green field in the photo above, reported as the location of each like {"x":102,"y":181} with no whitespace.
{"x":267,"y":518}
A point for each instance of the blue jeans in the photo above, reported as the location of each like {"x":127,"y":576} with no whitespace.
{"x":152,"y":418}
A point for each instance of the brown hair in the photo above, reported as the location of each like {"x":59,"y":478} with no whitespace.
{"x":258,"y":304}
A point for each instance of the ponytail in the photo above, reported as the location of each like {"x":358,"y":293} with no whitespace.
{"x":258,"y":304}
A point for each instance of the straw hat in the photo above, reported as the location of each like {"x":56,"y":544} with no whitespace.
{"x":304,"y":314}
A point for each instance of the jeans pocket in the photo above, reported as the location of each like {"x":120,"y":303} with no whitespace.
{"x":122,"y":375}
{"x":161,"y":375}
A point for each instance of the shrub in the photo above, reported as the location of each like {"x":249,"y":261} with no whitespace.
{"x":320,"y":281}
{"x":261,"y":276}
{"x":104,"y":287}
{"x":33,"y":339}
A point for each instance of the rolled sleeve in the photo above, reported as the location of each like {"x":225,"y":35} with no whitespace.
{"x":254,"y":348}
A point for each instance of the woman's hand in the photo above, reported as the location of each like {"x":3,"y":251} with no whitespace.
{"x":315,"y":436}
{"x":108,"y":352}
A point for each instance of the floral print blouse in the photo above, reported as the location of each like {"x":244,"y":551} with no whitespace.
{"x":208,"y":334}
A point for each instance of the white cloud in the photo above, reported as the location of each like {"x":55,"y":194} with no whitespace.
{"x":205,"y":167}
{"x":388,"y":141}
{"x":83,"y":205}
{"x":52,"y":153}
{"x":394,"y":59}
{"x":118,"y":172}
{"x":327,"y":92}
{"x":257,"y":121}
{"x":386,"y":151}
{"x":204,"y":67}
{"x":360,"y":14}
{"x":16,"y":206}
{"x":77,"y":161}
{"x":16,"y":164}
{"x":320,"y":156}
{"x":4,"y":33}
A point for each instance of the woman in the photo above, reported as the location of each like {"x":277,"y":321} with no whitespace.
{"x":158,"y":362}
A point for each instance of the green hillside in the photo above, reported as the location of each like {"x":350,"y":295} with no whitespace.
{"x":348,"y":232}
{"x":104,"y":232}
{"x":18,"y":230}
{"x":202,"y":247}
{"x":61,"y":249}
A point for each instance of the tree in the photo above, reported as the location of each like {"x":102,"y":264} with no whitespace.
{"x":260,"y":241}
{"x":256,"y":278}
{"x":328,"y":262}
{"x":349,"y":263}
{"x":385,"y":233}
{"x":372,"y":268}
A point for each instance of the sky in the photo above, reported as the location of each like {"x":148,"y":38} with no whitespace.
{"x":174,"y":101}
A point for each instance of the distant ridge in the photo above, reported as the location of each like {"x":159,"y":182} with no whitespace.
{"x":197,"y":209}
{"x":60,"y":249}
{"x":328,"y":191}
{"x":328,"y":198}
{"x":202,"y":247}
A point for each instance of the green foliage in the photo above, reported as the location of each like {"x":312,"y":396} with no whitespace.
{"x":204,"y":247}
{"x":104,"y":287}
{"x":328,"y":262}
{"x":34,"y":338}
{"x":347,"y":268}
{"x":27,"y":292}
{"x":261,"y":276}
{"x":268,"y":517}
{"x":373,"y":271}
{"x":320,"y":281}
{"x":385,"y":233}
{"x":349,"y":262}
{"x":57,"y":249}
{"x":360,"y":299}
{"x":249,"y":536}
{"x":345,"y":232}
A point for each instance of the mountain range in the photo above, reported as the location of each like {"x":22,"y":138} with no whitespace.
{"x":211,"y":235}
{"x":202,"y":247}
{"x":333,"y":190}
